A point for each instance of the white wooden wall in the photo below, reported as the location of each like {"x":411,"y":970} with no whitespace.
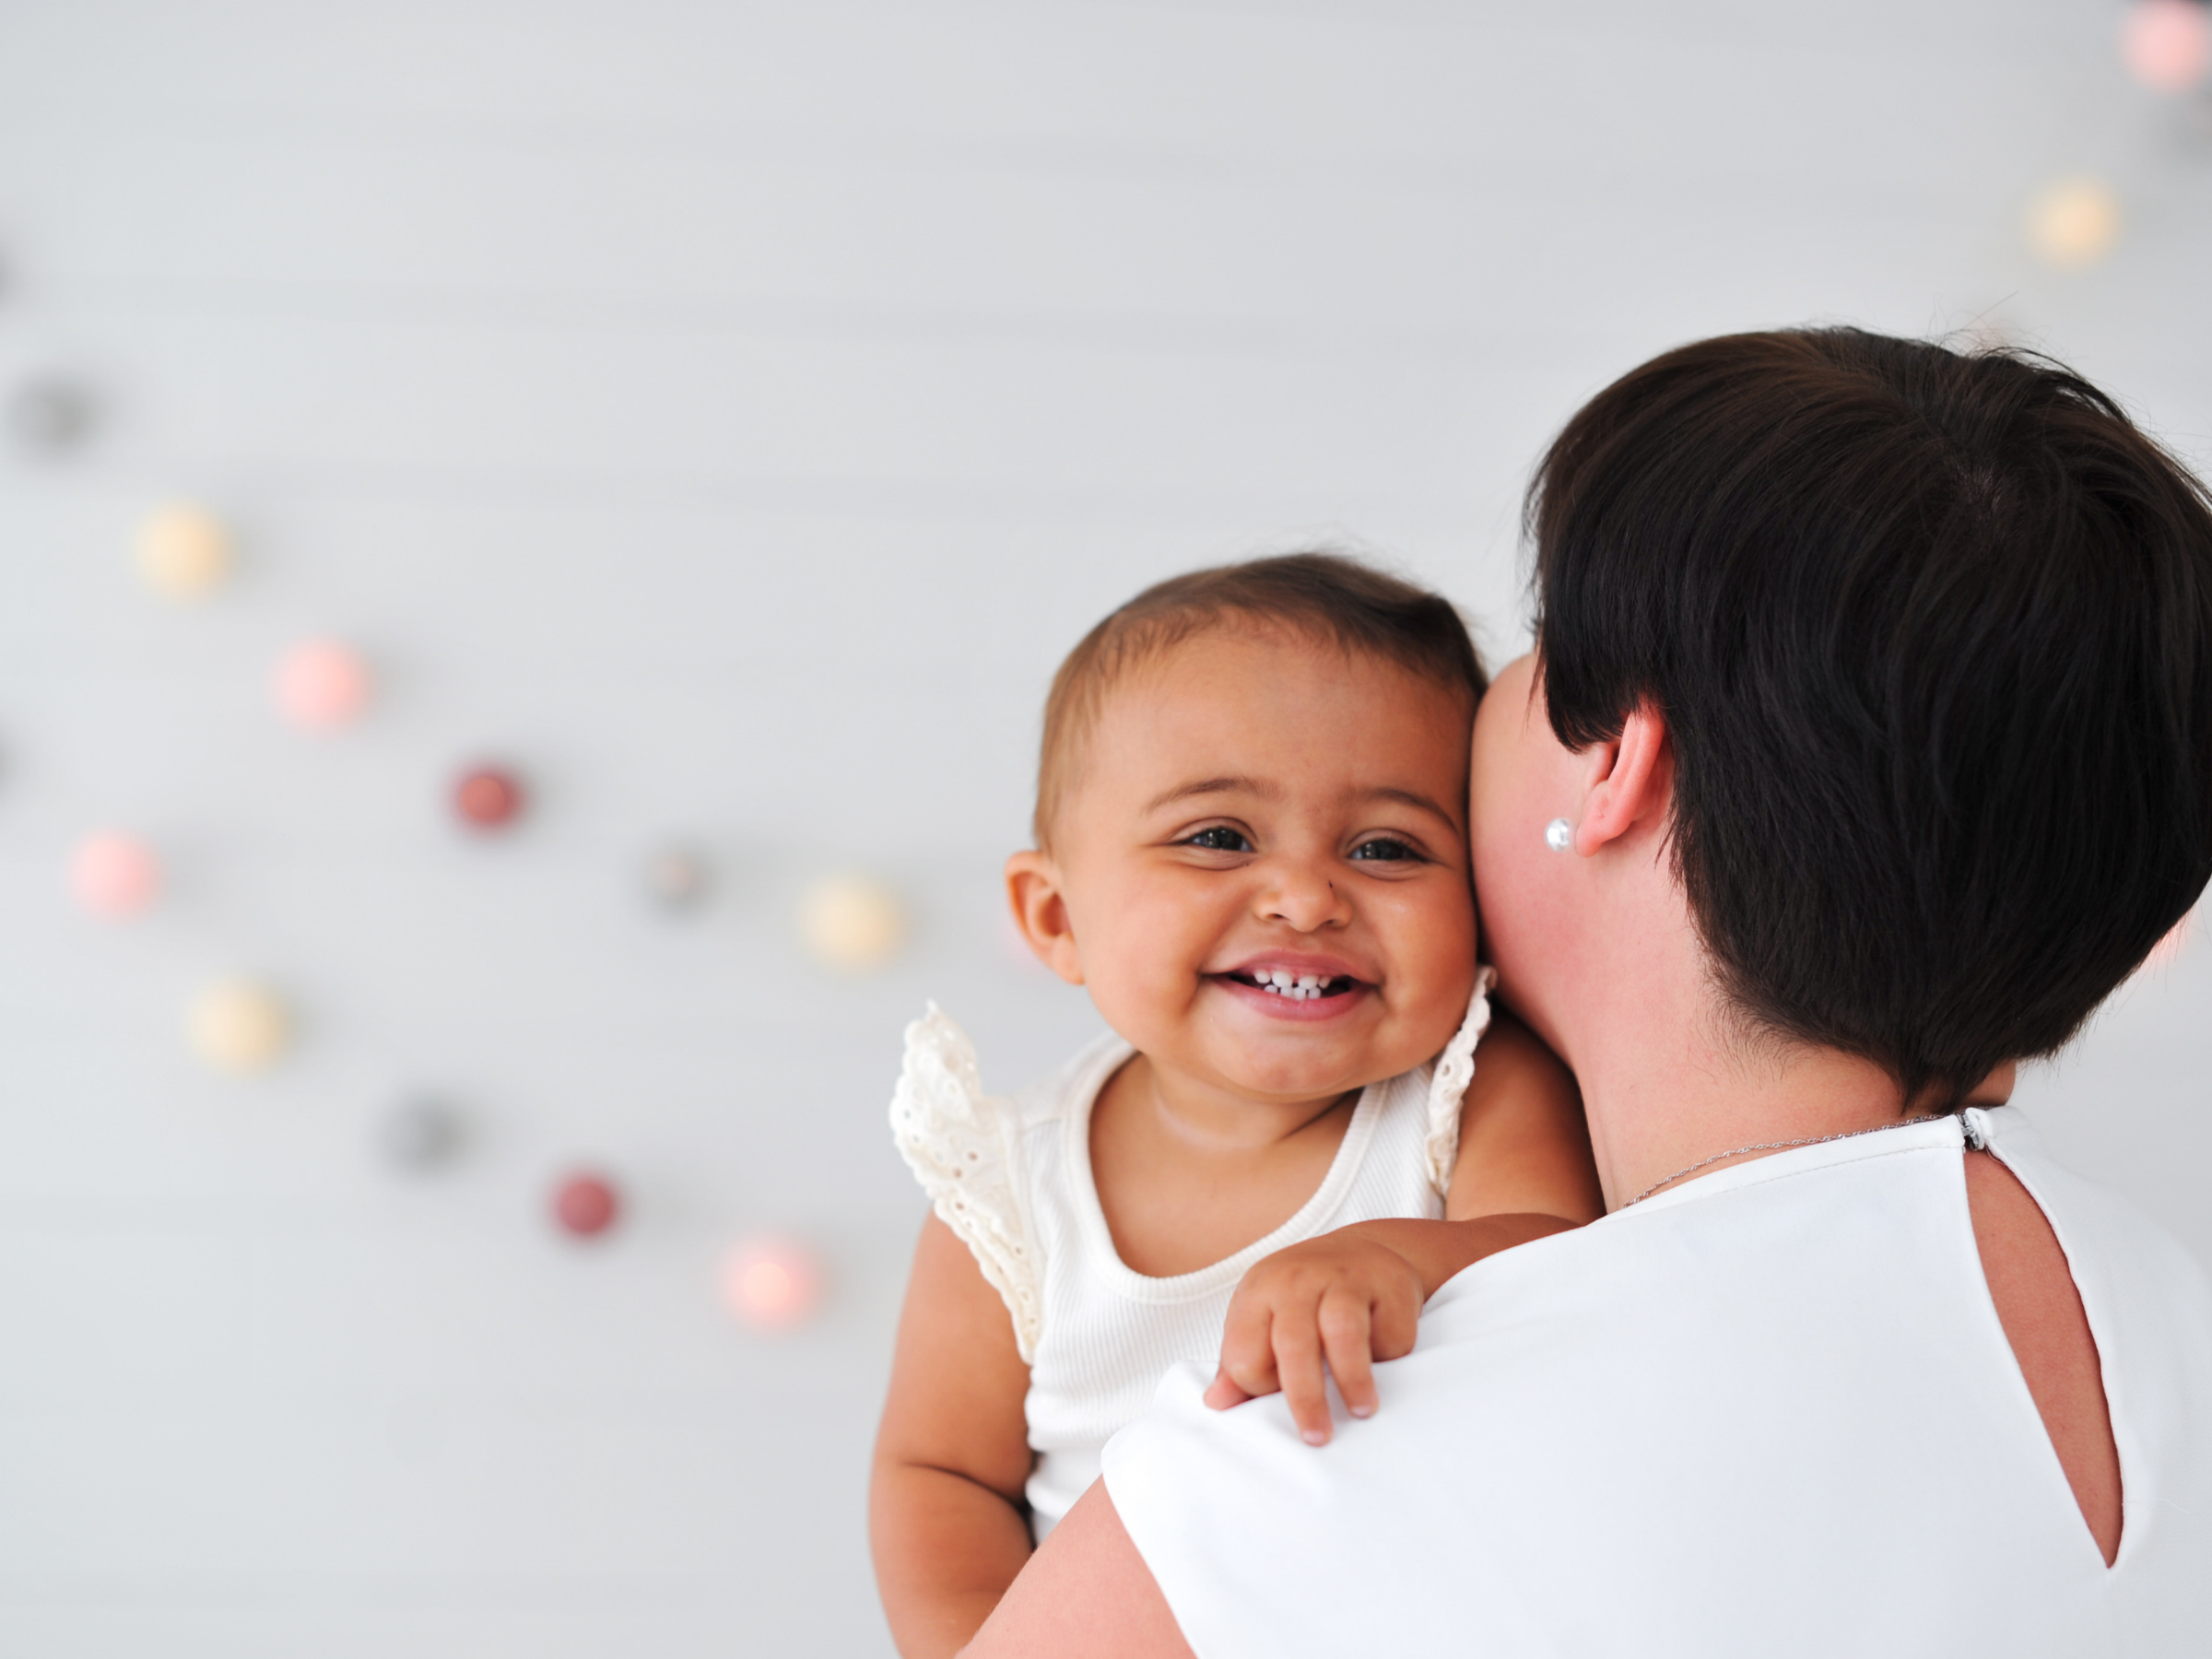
{"x":729,"y":413}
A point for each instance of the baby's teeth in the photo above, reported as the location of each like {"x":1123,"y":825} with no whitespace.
{"x":1298,"y":987}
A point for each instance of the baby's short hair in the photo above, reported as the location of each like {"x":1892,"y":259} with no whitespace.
{"x":1322,"y":596}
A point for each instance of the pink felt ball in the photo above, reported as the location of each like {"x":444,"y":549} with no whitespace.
{"x":114,"y":876}
{"x":772,"y":1282}
{"x":320,"y":685}
{"x":2167,"y":44}
{"x":2167,"y":950}
{"x":586,"y":1204}
{"x":488,"y":797}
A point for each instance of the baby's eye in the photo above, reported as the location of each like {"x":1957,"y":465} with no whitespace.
{"x":1384,"y":847}
{"x":1220,"y":838}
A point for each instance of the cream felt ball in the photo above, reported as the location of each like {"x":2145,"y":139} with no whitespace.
{"x":2073,"y":223}
{"x":240,"y":1026}
{"x":852,"y":922}
{"x":183,"y":551}
{"x":114,"y":876}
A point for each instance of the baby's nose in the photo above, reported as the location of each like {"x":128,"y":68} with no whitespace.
{"x":1303,"y":895}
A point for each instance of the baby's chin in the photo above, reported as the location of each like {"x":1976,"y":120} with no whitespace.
{"x":1303,"y":1063}
{"x":1275,"y":1051}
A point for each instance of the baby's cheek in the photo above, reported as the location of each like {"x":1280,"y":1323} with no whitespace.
{"x":1434,"y":940}
{"x":1145,"y":976}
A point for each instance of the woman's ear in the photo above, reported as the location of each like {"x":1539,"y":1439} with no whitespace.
{"x":1033,"y":890}
{"x":1625,"y":781}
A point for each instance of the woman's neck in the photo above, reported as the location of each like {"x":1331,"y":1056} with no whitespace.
{"x":1649,"y":1123}
{"x":1670,"y":1079}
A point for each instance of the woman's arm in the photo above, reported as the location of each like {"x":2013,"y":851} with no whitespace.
{"x":946,"y":1517}
{"x":1088,"y":1595}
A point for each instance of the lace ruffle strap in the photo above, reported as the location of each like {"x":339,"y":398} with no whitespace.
{"x":961,"y":1145}
{"x":1448,"y":1083}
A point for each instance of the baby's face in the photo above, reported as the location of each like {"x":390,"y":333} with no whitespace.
{"x":1256,"y":812}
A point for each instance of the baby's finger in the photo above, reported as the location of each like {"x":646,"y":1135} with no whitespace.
{"x":1224,"y":1391}
{"x":1394,"y":1323}
{"x":1298,"y":1364}
{"x":1345,"y":1339}
{"x":1248,"y":1348}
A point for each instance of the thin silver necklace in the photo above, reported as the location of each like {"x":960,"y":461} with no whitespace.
{"x":1973,"y":1139}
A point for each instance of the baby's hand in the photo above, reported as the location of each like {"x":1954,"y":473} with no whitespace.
{"x":1344,"y":1298}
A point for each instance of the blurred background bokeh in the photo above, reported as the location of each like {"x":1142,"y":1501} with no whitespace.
{"x":442,"y":1220}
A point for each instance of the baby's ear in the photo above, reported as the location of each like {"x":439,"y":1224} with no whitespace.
{"x":1033,"y":890}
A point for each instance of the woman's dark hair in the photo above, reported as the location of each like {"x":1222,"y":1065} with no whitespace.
{"x":1932,"y":634}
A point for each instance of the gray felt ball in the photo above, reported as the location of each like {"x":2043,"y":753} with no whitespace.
{"x":49,"y":415}
{"x":676,"y":878}
{"x":421,"y":1133}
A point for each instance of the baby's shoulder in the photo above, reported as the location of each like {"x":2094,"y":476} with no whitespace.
{"x":989,"y":1162}
{"x":941,"y":1098}
{"x":1069,"y":1088}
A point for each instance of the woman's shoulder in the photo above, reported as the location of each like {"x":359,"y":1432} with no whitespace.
{"x":2140,"y":1283}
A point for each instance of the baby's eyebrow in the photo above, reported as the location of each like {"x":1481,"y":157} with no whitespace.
{"x":1205,"y":786}
{"x":1409,"y":797}
{"x":1274,"y":792}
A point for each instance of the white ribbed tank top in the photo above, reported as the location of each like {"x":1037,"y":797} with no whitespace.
{"x":1012,"y":1178}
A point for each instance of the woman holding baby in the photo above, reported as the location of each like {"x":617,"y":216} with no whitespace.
{"x":1865,"y":748}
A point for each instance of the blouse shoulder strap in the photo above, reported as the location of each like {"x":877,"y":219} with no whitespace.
{"x":964,"y":1147}
{"x":1448,"y":1083}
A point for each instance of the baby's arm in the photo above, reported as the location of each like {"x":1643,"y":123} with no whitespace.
{"x":946,"y":1518}
{"x":1524,"y":1145}
{"x":1354,"y":1295}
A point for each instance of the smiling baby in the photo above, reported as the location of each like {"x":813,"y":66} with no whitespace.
{"x":1251,"y":850}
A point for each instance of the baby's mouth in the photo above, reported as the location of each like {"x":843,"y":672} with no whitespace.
{"x":1297,"y":987}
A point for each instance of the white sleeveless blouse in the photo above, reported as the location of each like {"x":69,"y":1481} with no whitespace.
{"x":1012,"y":1178}
{"x":1770,"y":1411}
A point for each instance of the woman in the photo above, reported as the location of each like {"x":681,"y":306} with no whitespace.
{"x":1866,"y":748}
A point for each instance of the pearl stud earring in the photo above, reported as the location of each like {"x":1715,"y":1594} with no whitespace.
{"x":1558,"y":835}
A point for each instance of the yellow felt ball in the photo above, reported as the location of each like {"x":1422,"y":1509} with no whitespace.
{"x":183,"y":551}
{"x":238,"y":1026}
{"x":851,"y":923}
{"x":2073,"y":223}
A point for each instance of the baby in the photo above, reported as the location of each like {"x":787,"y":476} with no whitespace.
{"x":1251,"y":850}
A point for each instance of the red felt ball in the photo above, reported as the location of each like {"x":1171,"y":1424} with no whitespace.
{"x":488,"y":797}
{"x":586,"y":1204}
